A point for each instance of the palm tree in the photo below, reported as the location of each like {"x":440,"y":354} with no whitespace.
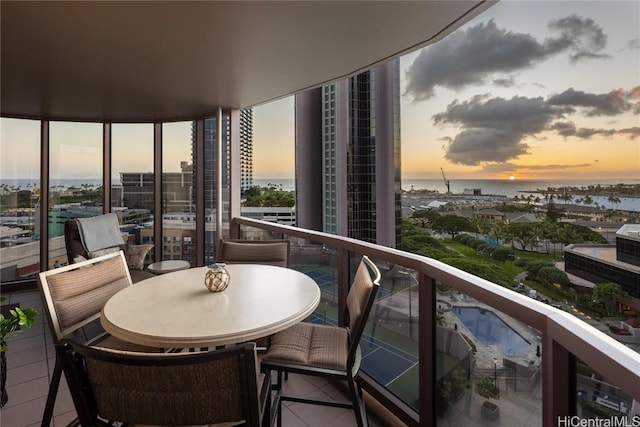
{"x":566,"y":196}
{"x":613,"y":200}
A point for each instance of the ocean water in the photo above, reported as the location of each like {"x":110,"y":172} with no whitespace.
{"x":505,"y":188}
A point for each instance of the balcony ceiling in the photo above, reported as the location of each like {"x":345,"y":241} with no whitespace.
{"x":155,"y":61}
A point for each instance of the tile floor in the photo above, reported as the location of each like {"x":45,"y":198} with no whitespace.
{"x":30,"y":361}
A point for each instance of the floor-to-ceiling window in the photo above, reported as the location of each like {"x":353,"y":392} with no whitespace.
{"x":132,"y":180}
{"x":77,"y":156}
{"x":178,"y":205}
{"x":75,"y":179}
{"x":20,"y":192}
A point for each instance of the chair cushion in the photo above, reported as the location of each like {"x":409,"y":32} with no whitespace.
{"x":105,"y":251}
{"x":308,"y":344}
{"x":80,"y":294}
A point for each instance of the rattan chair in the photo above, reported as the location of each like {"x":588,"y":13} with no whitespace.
{"x":327,"y":351}
{"x":269,"y":252}
{"x":73,"y":297}
{"x":170,"y":389}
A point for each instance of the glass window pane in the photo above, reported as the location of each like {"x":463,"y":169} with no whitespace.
{"x":598,"y":398}
{"x":178,"y":213}
{"x":75,"y":179}
{"x":19,"y":199}
{"x":132,"y":181}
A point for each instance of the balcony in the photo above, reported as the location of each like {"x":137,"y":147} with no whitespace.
{"x":408,"y":348}
{"x":417,"y":322}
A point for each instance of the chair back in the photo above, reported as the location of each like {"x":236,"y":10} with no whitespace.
{"x":359,"y":302}
{"x":166,"y":389}
{"x":106,"y":238}
{"x":269,"y":252}
{"x":75,"y":294}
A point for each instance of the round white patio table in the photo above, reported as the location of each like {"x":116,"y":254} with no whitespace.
{"x":164,"y":267}
{"x":176,"y":310}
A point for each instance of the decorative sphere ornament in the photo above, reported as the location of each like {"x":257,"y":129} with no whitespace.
{"x":216,"y":279}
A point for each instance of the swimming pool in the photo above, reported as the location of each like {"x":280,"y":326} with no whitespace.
{"x":489,"y":329}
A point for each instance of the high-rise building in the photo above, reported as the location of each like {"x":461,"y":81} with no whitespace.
{"x":354,"y":126}
{"x":246,"y":152}
{"x":246,"y":148}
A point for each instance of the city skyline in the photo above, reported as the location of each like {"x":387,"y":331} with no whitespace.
{"x":529,"y":90}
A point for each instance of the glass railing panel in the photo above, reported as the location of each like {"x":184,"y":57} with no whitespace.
{"x":488,"y":365}
{"x":318,"y":262}
{"x":254,"y":233}
{"x":75,"y":180}
{"x":20,"y":191}
{"x":599,"y":401}
{"x":390,"y":340}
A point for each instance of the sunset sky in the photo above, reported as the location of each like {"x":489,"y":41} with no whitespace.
{"x":529,"y":90}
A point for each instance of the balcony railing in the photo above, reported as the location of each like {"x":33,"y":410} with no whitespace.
{"x":419,"y":347}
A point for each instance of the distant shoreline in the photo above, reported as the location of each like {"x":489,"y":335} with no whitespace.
{"x":508,"y":189}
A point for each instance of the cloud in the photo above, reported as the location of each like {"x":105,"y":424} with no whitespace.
{"x":470,"y":56}
{"x":633,"y":44}
{"x":506,"y":82}
{"x":493,"y":130}
{"x":568,"y":129}
{"x":582,"y":37}
{"x":512,"y":167}
{"x":633,"y":132}
{"x":608,"y":104}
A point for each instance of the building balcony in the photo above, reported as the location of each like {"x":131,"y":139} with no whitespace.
{"x":435,"y":331}
{"x":433,"y":334}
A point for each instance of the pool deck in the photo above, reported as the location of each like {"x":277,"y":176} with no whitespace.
{"x":487,"y":355}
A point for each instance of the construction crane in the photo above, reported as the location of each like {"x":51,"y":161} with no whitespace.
{"x":446,"y":181}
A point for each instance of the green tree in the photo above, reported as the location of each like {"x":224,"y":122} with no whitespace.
{"x":609,"y":295}
{"x":503,"y":254}
{"x":523,"y":233}
{"x":425,"y":216}
{"x":487,"y":388}
{"x":614,"y":200}
{"x":271,"y":196}
{"x":549,"y":275}
{"x":451,"y":224}
{"x":480,"y":225}
{"x":534,"y":267}
{"x":553,"y":212}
